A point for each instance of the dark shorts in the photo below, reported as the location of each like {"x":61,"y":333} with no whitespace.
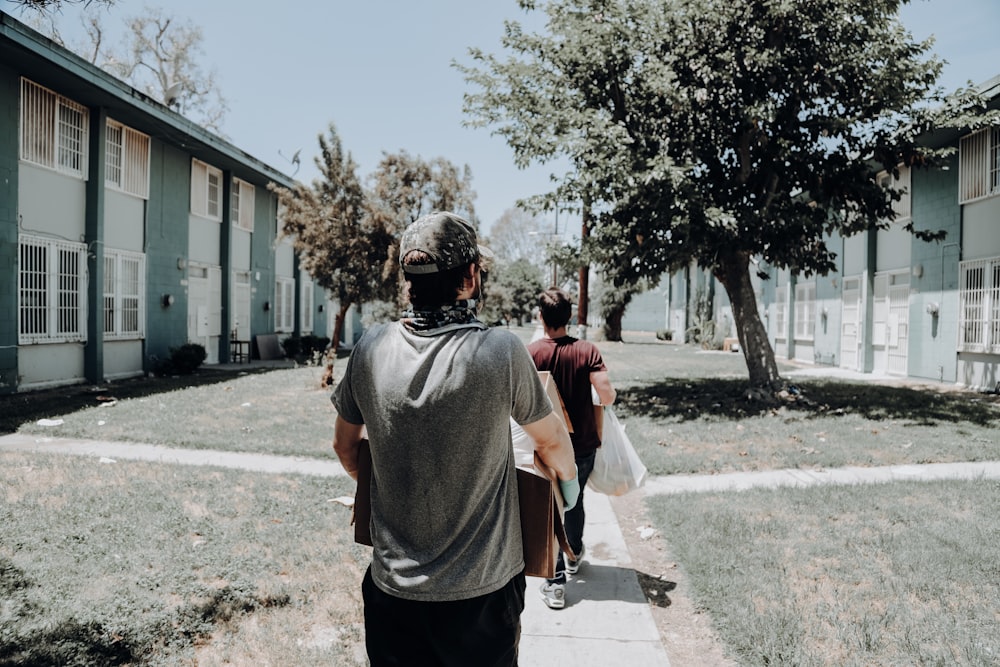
{"x":483,"y":630}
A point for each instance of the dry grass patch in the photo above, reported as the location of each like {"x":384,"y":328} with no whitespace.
{"x":903,"y":573}
{"x":144,"y":563}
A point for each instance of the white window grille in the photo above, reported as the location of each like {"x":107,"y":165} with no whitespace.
{"x":52,"y":291}
{"x":306,"y":321}
{"x":979,"y":165}
{"x":127,"y":161}
{"x":206,"y":187}
{"x":979,"y":306}
{"x":284,"y":305}
{"x":54,"y":130}
{"x":243,"y":204}
{"x":124,"y":294}
{"x":805,"y":311}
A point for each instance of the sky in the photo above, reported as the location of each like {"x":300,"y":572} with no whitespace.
{"x":381,"y":72}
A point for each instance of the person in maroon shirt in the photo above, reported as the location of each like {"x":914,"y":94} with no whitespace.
{"x":576,"y":367}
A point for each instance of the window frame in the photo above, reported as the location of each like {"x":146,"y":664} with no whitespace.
{"x":243,"y":214}
{"x":54,"y":131}
{"x":124,"y":295}
{"x":306,"y":320}
{"x":805,"y":310}
{"x":127,"y":156}
{"x":979,"y":306}
{"x":61,"y":317}
{"x":284,"y":304}
{"x":202,"y":202}
{"x":979,"y":165}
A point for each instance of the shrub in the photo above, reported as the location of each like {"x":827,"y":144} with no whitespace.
{"x":183,"y":360}
{"x":664,"y":334}
{"x":292,"y":346}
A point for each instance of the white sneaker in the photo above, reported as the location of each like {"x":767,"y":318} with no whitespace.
{"x":553,"y":595}
{"x":573,"y":566}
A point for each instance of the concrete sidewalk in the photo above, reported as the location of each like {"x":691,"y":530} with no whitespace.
{"x":606,"y":620}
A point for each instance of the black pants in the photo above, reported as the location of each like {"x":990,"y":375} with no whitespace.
{"x":483,"y":630}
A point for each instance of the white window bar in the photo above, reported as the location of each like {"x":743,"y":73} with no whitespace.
{"x":979,"y":165}
{"x":53,"y":130}
{"x":994,"y":297}
{"x":805,"y":309}
{"x":284,"y":304}
{"x":51,"y":297}
{"x":124,"y":289}
{"x":972,"y":294}
{"x":780,"y":299}
{"x":127,"y":160}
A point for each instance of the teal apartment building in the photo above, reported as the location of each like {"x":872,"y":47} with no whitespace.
{"x":126,"y":229}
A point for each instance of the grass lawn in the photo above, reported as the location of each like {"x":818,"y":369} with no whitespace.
{"x":149,"y":564}
{"x":142,"y":562}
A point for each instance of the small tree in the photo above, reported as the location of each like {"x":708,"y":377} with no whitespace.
{"x":344,"y":248}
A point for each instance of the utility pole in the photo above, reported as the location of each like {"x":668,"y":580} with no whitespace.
{"x":581,"y":308}
{"x":555,"y":259}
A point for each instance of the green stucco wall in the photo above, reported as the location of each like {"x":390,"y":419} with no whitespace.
{"x":933,"y":340}
{"x":166,"y":243}
{"x":9,"y":95}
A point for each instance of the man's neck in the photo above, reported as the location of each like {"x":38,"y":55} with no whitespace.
{"x":555,"y":333}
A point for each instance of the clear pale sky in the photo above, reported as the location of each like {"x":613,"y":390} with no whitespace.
{"x":380,"y":70}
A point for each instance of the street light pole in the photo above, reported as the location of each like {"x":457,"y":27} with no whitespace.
{"x":581,"y":309}
{"x":555,"y":259}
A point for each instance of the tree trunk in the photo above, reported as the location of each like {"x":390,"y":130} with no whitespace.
{"x":733,"y":271}
{"x":331,"y":353}
{"x":338,"y":325}
{"x":613,"y":322}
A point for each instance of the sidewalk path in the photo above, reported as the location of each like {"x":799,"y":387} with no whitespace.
{"x":607,"y":619}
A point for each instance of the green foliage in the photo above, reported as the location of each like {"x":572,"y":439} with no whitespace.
{"x":306,"y":347}
{"x":664,"y":334}
{"x":511,"y":292}
{"x":694,"y":128}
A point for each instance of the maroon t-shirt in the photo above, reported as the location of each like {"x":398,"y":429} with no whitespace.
{"x":571,"y":361}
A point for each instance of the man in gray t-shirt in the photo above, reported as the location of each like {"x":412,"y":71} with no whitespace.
{"x":435,"y":392}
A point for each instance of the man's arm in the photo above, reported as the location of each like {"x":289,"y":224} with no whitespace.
{"x":347,"y":443}
{"x":602,"y":385}
{"x":553,"y":446}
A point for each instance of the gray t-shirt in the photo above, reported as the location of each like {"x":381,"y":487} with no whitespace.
{"x":445,"y":521}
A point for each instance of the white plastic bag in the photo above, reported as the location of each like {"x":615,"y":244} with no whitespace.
{"x":617,"y":468}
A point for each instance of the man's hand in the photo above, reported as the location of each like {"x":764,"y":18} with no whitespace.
{"x":570,"y":492}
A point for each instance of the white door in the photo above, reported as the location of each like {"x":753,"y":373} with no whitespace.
{"x":205,"y":309}
{"x":850,"y":327}
{"x":890,"y":322}
{"x":241,"y":304}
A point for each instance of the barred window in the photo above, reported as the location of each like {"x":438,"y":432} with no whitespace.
{"x":124,"y":294}
{"x":206,"y":190}
{"x":243,"y":204}
{"x":127,"y":161}
{"x":284,"y":305}
{"x":51,"y":295}
{"x":979,"y":165}
{"x":979,"y":306}
{"x":54,"y":130}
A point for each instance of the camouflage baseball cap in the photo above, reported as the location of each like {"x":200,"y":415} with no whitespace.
{"x":449,"y":240}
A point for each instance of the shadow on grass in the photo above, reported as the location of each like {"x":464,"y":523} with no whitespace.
{"x":690,"y":399}
{"x":29,"y":406}
{"x":70,"y":641}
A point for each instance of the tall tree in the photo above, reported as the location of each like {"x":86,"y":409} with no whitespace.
{"x":50,"y":5}
{"x":720,"y":130}
{"x":339,"y":243}
{"x":404,"y":187}
{"x":160,"y":56}
{"x":518,"y":234}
